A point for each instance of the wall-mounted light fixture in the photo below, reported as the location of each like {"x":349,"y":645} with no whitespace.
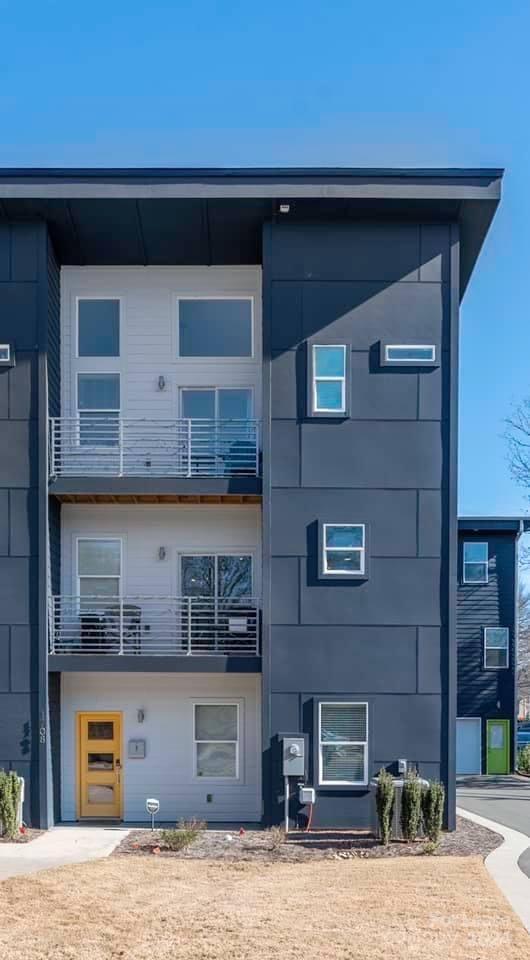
{"x":140,"y":715}
{"x":285,"y":207}
{"x":162,"y":553}
{"x":7,"y":355}
{"x":161,"y":382}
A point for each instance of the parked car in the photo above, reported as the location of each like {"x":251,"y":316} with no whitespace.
{"x":523,"y":733}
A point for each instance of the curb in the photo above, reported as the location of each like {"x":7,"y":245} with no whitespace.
{"x":502,"y":865}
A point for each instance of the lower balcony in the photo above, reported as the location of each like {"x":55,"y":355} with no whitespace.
{"x":153,"y":627}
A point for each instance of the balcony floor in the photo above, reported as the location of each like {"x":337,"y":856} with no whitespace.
{"x":168,"y":489}
{"x":108,"y":663}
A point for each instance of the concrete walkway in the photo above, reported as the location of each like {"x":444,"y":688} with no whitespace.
{"x":58,"y":846}
{"x":502,"y":865}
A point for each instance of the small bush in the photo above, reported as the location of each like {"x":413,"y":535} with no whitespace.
{"x":523,"y":759}
{"x":432,"y":805}
{"x":384,"y":801}
{"x":430,"y":848}
{"x":10,"y":791}
{"x":179,"y":837}
{"x":276,"y":837}
{"x":411,"y":805}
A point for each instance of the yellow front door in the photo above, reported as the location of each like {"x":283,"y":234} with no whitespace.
{"x":99,"y":765}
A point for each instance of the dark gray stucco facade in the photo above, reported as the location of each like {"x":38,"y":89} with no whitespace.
{"x":488,"y":693}
{"x":389,"y":463}
{"x":362,"y":258}
{"x":28,"y":285}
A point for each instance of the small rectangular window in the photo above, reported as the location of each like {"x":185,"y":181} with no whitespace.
{"x":475,"y":562}
{"x":215,"y":327}
{"x":343,"y":744}
{"x":98,"y":328}
{"x":98,"y":401}
{"x":216,"y":738}
{"x":496,"y":647}
{"x":328,"y":394}
{"x":343,"y":549}
{"x":412,"y":353}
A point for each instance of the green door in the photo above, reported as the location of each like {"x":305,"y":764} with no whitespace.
{"x":498,"y":754}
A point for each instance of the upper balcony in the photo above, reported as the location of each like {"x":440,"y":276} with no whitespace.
{"x":112,"y":448}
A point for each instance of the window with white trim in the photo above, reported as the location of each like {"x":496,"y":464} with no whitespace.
{"x":329,"y":378}
{"x":343,"y":743}
{"x":410,"y":353}
{"x":98,"y":327}
{"x":216,"y":740}
{"x":343,"y":549}
{"x":99,"y":567}
{"x":475,"y":562}
{"x":215,"y":327}
{"x":496,"y":647}
{"x":98,"y":403}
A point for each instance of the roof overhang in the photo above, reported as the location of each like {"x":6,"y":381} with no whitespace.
{"x":203,"y":216}
{"x":514,"y":525}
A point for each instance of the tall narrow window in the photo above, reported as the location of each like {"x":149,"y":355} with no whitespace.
{"x":99,"y":567}
{"x":216,"y":738}
{"x":328,"y":389}
{"x":98,"y":401}
{"x":475,"y":562}
{"x":98,"y":327}
{"x":496,"y":647}
{"x":343,"y":743}
{"x":343,"y":549}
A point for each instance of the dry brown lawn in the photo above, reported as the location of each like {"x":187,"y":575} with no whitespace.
{"x":147,"y":909}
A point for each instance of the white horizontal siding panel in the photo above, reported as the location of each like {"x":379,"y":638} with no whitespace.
{"x":148,"y":334}
{"x":145,"y":528}
{"x":167,"y":772}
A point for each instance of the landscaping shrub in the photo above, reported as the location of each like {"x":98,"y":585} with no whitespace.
{"x":10,"y":790}
{"x":523,"y":759}
{"x":277,"y":836}
{"x":384,"y":800}
{"x":179,"y":837}
{"x":432,"y":804}
{"x":411,"y":805}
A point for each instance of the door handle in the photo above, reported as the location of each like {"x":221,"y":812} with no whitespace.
{"x":117,"y":766}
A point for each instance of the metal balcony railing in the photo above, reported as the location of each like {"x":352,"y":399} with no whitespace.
{"x":106,"y":445}
{"x":154,"y":626}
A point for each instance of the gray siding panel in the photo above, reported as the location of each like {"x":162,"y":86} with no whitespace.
{"x":387,"y":464}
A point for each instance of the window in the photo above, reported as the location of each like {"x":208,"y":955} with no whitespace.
{"x":496,"y":647}
{"x":409,"y":353}
{"x":475,"y":562}
{"x":216,"y":738}
{"x":213,"y":403}
{"x":343,"y":743}
{"x":98,"y":328}
{"x":328,"y":392}
{"x":99,"y":567}
{"x":343,"y":549}
{"x":216,"y":576}
{"x":98,"y":401}
{"x":215,"y":327}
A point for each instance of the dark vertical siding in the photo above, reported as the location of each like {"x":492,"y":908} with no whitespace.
{"x":23,"y":509}
{"x":54,"y":336}
{"x":54,"y":697}
{"x":389,"y":464}
{"x":489,"y":694}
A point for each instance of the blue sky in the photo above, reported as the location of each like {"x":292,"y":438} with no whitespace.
{"x":339,"y":83}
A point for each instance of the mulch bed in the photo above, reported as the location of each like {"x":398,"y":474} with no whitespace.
{"x":469,"y":839}
{"x":26,"y":837}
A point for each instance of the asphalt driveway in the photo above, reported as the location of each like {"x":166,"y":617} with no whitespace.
{"x":503,"y":799}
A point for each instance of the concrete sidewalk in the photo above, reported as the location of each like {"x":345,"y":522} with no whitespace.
{"x":59,"y":846}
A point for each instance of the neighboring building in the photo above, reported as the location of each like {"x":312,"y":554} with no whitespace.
{"x":228,"y":483}
{"x":486,"y":726}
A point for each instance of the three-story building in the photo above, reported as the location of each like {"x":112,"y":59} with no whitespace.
{"x":228,"y":407}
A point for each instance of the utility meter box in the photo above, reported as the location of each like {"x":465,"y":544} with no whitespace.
{"x":306,"y":794}
{"x":293,"y":756}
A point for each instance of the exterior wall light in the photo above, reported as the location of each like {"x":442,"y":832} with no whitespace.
{"x":161,"y":553}
{"x":161,"y":383}
{"x":285,"y":207}
{"x":7,"y":355}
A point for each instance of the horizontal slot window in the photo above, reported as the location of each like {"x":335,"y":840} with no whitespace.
{"x":409,"y":353}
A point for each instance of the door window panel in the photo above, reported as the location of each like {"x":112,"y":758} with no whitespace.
{"x":100,"y":761}
{"x":98,"y":401}
{"x":100,"y":730}
{"x":100,"y":793}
